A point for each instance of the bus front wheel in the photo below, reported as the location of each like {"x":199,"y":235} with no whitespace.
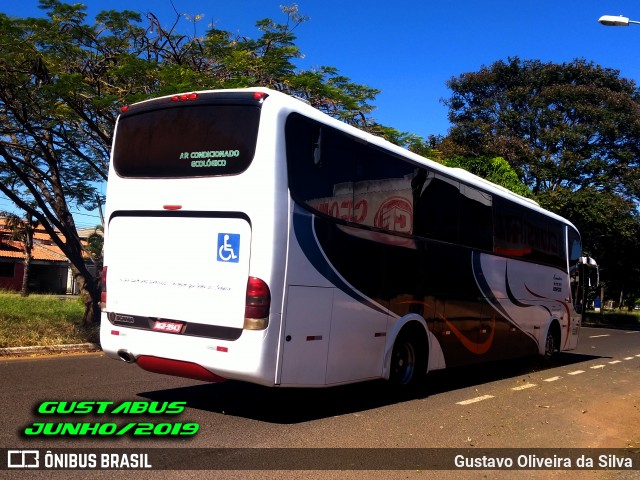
{"x":552,"y":343}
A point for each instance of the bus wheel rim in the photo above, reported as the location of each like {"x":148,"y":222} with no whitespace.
{"x":405,"y":362}
{"x":550,"y":347}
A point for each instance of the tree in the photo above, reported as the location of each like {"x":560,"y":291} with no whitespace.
{"x":561,"y":126}
{"x":61,"y":81}
{"x":51,"y":150}
{"x":95,"y":243}
{"x":572,"y":133}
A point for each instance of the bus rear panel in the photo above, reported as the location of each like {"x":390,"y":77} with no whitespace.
{"x":185,"y":290}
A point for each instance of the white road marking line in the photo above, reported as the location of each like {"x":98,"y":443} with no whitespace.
{"x":474,"y":400}
{"x":598,"y":336}
{"x":637,"y":331}
{"x":576,"y":372}
{"x":637,"y":355}
{"x":597,"y":366}
{"x":552,"y":379}
{"x":615,"y":361}
{"x":629,"y":358}
{"x":524,"y":387}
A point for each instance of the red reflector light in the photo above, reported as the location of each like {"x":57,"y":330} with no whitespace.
{"x":172,"y":207}
{"x":258,"y":301}
{"x":103,"y":293}
{"x":115,"y":332}
{"x":259,"y":95}
{"x":222,"y":349}
{"x":124,"y":108}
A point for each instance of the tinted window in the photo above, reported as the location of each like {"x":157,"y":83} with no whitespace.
{"x":382,"y":191}
{"x":476,"y":218}
{"x":7,"y":269}
{"x":186,"y":141}
{"x":347,"y":178}
{"x":321,"y":167}
{"x":520,"y":232}
{"x":436,"y":206}
{"x":341,"y":176}
{"x":575,"y":251}
{"x":575,"y":247}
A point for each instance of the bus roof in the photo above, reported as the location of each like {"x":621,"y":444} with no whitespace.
{"x":302,"y":106}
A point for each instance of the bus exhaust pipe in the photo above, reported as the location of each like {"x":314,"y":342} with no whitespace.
{"x":126,"y":356}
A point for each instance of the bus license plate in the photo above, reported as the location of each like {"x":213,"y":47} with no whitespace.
{"x":170,"y":327}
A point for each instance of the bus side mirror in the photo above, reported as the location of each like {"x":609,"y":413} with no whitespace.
{"x":591,"y":270}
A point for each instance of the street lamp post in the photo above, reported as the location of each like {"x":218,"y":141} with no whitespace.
{"x":616,"y":21}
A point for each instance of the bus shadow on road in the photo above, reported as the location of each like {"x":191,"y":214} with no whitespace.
{"x":298,"y":405}
{"x":469,"y":376}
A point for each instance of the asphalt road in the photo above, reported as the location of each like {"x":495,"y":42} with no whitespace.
{"x":589,"y":398}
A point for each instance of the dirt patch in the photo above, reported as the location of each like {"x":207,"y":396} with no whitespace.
{"x":611,"y":422}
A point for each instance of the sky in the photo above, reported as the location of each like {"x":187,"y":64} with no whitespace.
{"x":408,"y":49}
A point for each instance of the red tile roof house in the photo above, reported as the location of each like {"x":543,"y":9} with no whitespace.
{"x":50,"y":268}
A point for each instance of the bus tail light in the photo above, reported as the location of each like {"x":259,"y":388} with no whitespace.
{"x":184,"y":97}
{"x":103,"y":293}
{"x":258,"y":304}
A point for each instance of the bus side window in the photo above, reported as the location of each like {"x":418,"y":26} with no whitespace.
{"x":382,"y":191}
{"x":436,"y":206}
{"x":528,"y":235}
{"x":320,"y":167}
{"x":476,"y":218}
{"x":575,"y":252}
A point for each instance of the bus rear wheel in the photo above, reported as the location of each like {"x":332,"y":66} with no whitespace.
{"x":408,"y":358}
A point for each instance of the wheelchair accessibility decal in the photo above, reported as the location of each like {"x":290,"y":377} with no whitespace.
{"x":229,"y":247}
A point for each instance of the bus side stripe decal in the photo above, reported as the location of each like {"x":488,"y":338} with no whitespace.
{"x":485,"y":288}
{"x":304,"y":231}
{"x":566,"y":308}
{"x":510,"y":294}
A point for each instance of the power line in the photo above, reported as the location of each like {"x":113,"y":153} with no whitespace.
{"x":85,"y":215}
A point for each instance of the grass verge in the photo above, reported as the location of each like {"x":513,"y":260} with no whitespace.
{"x":42,"y":320}
{"x":614,"y":318}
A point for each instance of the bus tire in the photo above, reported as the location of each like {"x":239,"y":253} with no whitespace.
{"x":552,"y":342}
{"x":409,"y":357}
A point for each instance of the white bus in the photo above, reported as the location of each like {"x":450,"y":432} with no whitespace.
{"x":251,"y":237}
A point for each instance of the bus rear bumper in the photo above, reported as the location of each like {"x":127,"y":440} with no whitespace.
{"x":211,"y":360}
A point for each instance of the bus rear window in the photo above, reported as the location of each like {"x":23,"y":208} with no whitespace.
{"x":186,"y":141}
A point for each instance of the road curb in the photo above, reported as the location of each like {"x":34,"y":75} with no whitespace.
{"x":48,"y":349}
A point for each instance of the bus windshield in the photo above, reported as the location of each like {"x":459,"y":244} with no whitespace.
{"x":186,"y":140}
